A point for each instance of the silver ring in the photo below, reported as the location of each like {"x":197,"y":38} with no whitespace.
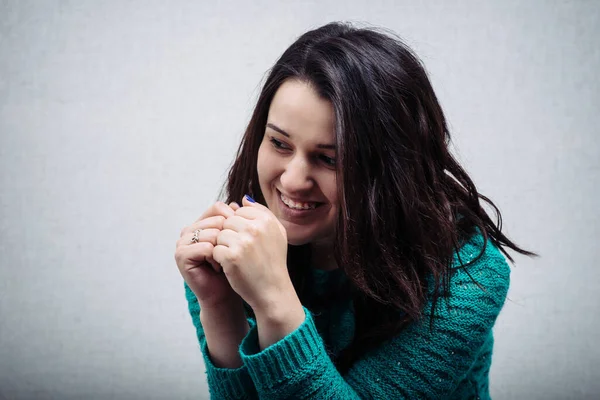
{"x":195,"y":238}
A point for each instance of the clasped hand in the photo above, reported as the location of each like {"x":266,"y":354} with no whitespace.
{"x":248,"y":244}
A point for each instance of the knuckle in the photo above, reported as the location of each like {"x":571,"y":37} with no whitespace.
{"x":205,"y":248}
{"x":178,"y":255}
{"x":220,"y":208}
{"x":253,"y":230}
{"x":235,"y":256}
{"x":245,"y":242}
{"x":212,"y":235}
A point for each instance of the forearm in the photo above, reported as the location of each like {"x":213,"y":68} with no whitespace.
{"x":224,"y":330}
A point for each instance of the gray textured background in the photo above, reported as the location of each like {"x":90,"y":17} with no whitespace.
{"x":118,"y":120}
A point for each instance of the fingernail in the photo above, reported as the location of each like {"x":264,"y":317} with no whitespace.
{"x":250,"y":199}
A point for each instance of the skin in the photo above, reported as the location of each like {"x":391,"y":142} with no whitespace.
{"x":296,"y":165}
{"x":249,"y":243}
{"x":222,"y":314}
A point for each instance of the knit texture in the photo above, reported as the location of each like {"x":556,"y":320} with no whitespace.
{"x":449,"y":359}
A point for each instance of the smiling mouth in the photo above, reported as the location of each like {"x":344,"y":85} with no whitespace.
{"x":294,"y":205}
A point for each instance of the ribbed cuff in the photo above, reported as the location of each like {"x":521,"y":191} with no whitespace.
{"x":227,"y":383}
{"x":297,"y":353}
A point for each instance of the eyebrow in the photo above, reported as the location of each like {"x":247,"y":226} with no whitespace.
{"x":284,"y":133}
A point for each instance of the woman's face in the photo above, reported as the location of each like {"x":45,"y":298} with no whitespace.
{"x":296,"y":163}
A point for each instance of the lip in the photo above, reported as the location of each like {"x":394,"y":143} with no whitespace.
{"x":279,"y":192}
{"x":293,"y":215}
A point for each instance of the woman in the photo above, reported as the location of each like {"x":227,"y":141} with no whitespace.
{"x":360,"y":263}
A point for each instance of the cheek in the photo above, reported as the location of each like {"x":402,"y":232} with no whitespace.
{"x":331,"y":193}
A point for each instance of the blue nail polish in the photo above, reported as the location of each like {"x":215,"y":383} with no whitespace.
{"x":250,"y":199}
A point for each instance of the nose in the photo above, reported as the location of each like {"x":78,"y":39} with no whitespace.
{"x":296,"y":178}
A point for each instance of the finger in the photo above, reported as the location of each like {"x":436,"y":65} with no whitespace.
{"x":234,"y":206}
{"x":236,"y":223}
{"x":210,"y":222}
{"x":252,"y":209}
{"x":219,"y":208}
{"x":250,"y":212}
{"x":215,"y":265}
{"x":248,"y":201}
{"x":205,"y":235}
{"x":227,"y":237}
{"x":196,"y":255}
{"x":221,"y":254}
{"x":192,"y":255}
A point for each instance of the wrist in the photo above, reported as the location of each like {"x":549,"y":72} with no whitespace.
{"x":234,"y":302}
{"x":224,"y":315}
{"x":277,"y":309}
{"x":224,"y":330}
{"x":278,"y":318}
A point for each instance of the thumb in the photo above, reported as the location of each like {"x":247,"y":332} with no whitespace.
{"x":248,"y":201}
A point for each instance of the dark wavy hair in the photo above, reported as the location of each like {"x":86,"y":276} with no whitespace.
{"x":406,"y":204}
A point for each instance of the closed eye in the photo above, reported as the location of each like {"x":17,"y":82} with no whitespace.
{"x":278,"y":144}
{"x":328,"y":160}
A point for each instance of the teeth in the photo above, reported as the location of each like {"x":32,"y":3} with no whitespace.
{"x":298,"y":206}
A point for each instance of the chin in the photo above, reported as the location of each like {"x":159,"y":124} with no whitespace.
{"x":298,"y":237}
{"x":299,"y":240}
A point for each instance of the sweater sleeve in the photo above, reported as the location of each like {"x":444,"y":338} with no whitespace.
{"x":223,"y":383}
{"x":423,"y":361}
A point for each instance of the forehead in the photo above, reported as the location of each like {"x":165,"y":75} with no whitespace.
{"x":298,"y":109}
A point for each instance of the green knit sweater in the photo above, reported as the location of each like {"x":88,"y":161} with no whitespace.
{"x":452,"y":360}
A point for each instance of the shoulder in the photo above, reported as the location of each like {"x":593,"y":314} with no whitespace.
{"x":478,"y":285}
{"x":480,"y":261}
{"x":442,"y":347}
